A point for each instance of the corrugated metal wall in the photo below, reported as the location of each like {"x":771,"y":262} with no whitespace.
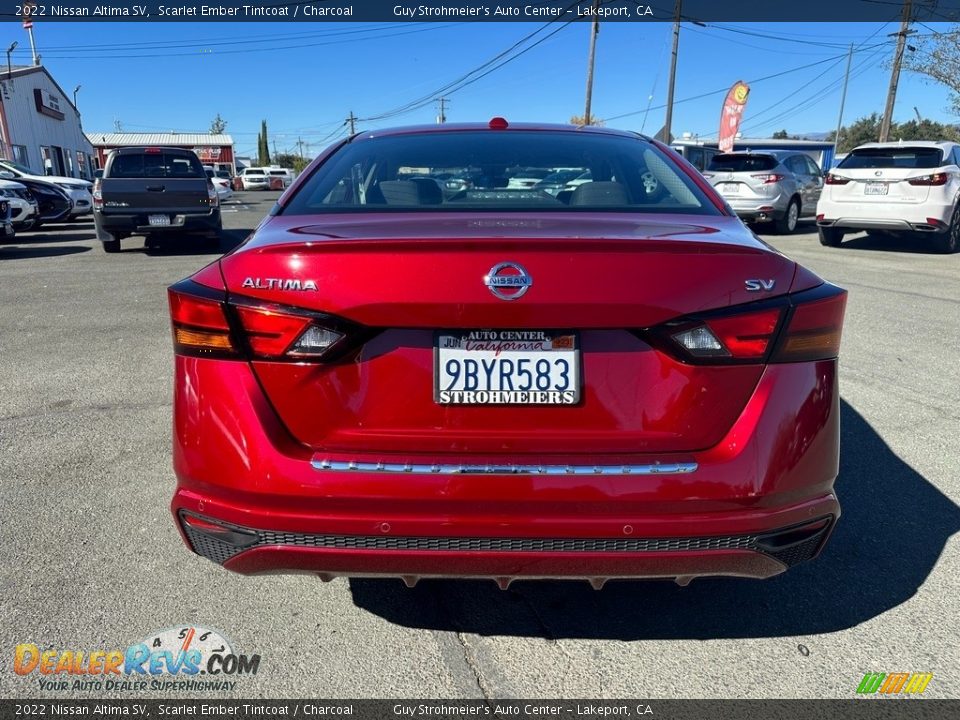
{"x":32,"y":129}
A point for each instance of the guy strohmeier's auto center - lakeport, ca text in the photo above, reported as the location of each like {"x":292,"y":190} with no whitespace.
{"x":496,"y":12}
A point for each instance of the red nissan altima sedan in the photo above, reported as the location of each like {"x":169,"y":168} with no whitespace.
{"x":416,"y":368}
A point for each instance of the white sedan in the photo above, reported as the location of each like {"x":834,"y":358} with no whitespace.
{"x":905,"y":188}
{"x":221,"y":185}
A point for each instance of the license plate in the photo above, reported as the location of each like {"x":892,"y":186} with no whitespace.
{"x":506,"y":367}
{"x":158,"y":220}
{"x":876,"y":188}
{"x":730,"y":189}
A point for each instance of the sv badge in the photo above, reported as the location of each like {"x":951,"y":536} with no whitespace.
{"x":759,"y":285}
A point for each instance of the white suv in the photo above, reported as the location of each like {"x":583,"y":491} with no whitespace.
{"x":902,"y":187}
{"x":254,"y":178}
{"x":285,"y":175}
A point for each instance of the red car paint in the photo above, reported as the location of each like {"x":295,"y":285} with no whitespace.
{"x":252,"y":433}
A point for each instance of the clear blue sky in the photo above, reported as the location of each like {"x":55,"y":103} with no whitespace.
{"x":304,"y":78}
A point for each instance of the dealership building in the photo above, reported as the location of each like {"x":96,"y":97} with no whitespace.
{"x":40,"y":126}
{"x":213,"y":150}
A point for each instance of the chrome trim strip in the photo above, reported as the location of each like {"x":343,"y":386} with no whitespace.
{"x":473,"y":469}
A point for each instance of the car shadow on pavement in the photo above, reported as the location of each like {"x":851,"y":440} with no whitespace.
{"x":919,"y":243}
{"x":22,"y":253}
{"x":229,"y":239}
{"x":893,"y":528}
{"x":38,"y":237}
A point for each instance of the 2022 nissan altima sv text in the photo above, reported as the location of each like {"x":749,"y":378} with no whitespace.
{"x":615,"y":380}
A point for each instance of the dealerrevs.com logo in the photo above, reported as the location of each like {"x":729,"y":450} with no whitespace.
{"x":898,"y":683}
{"x":181,"y":658}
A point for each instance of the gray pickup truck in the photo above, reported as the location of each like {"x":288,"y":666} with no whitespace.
{"x":156,"y":192}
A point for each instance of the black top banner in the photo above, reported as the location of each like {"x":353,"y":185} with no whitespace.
{"x":635,"y":11}
{"x":233,"y":709}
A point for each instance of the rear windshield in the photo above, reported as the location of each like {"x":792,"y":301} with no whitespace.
{"x":742,"y":163}
{"x":469,"y":171}
{"x":155,"y":165}
{"x":278,"y":172}
{"x":913,"y":158}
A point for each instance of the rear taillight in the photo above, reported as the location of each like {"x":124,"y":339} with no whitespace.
{"x":740,"y":337}
{"x":200,"y":325}
{"x":97,"y":195}
{"x":930,"y":180}
{"x":793,"y":328}
{"x":206,"y":325}
{"x":831,"y":179}
{"x":212,"y":196}
{"x":814,"y":328}
{"x":768,"y":178}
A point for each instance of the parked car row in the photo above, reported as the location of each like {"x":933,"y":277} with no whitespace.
{"x":266,"y":178}
{"x":907,"y":189}
{"x":31,"y":200}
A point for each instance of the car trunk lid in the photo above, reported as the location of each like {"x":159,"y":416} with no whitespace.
{"x":595,"y":279}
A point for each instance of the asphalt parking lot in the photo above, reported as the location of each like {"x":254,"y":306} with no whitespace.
{"x":90,"y":558}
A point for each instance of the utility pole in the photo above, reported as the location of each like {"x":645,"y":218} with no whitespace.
{"x":594,"y":31}
{"x":843,"y":100}
{"x":442,"y":117}
{"x":352,"y":120}
{"x":300,"y":147}
{"x":895,"y":72}
{"x":673,"y":73}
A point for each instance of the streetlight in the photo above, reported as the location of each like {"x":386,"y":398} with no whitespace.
{"x":13,"y":46}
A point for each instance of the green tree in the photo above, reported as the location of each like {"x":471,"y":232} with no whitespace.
{"x":263,"y":145}
{"x":863,"y":130}
{"x":924,"y":130}
{"x":581,"y":120}
{"x":867,"y":129}
{"x":780,"y":135}
{"x":285,"y":160}
{"x":937,"y":58}
{"x":218,"y":125}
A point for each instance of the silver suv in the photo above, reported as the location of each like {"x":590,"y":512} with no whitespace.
{"x":777,"y":186}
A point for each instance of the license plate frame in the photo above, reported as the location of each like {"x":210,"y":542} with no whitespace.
{"x":730,"y":188}
{"x":158,"y":220}
{"x":554,"y":346}
{"x":876,"y":188}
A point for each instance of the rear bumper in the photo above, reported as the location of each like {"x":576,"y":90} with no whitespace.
{"x":902,"y":217}
{"x":737,"y":513}
{"x":137,"y":224}
{"x":759,"y":209}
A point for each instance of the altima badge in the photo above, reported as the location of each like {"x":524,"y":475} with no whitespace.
{"x":508,"y":280}
{"x":279,"y":284}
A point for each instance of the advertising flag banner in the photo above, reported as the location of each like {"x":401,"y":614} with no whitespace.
{"x":732,"y":113}
{"x":29,"y":8}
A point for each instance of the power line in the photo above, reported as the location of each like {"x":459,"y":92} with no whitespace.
{"x":726,"y":88}
{"x":818,"y":96}
{"x":821,"y":94}
{"x":495,"y":63}
{"x":106,"y":54}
